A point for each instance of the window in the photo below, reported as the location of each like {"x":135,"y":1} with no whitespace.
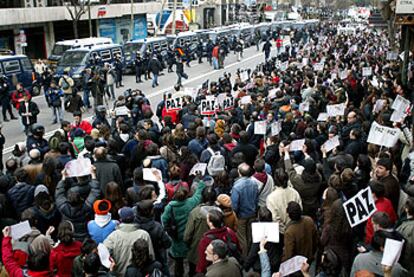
{"x":105,"y":55}
{"x":11,"y":66}
{"x":117,"y":51}
{"x":26,"y":64}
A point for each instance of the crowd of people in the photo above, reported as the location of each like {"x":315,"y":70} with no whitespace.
{"x":174,"y":192}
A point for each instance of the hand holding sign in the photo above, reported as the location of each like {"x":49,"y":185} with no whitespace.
{"x":360,"y":207}
{"x":78,"y":167}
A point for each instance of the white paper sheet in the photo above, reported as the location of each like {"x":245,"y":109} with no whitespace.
{"x":292,"y":265}
{"x":244,"y":76}
{"x":148,"y":174}
{"x":343,"y":74}
{"x":246,"y":100}
{"x":122,"y":110}
{"x":198,"y":168}
{"x":19,"y":230}
{"x":379,"y":104}
{"x":260,"y":127}
{"x":78,"y":167}
{"x":104,"y":255}
{"x":392,"y":252}
{"x":366,"y":71}
{"x":382,"y":135}
{"x":297,"y":145}
{"x":276,"y":127}
{"x":270,"y":230}
{"x":322,"y":117}
{"x":335,"y":110}
{"x":400,"y":103}
{"x":331,"y":143}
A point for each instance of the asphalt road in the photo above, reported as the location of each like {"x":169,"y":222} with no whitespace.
{"x":197,"y":73}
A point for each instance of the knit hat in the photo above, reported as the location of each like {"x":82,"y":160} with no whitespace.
{"x":102,"y":207}
{"x":34,"y":153}
{"x":223,"y":200}
{"x":126,"y":214}
{"x":39,"y":189}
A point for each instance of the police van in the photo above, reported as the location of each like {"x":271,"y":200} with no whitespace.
{"x":78,"y":59}
{"x":61,"y":46}
{"x":19,"y":69}
{"x":158,"y":44}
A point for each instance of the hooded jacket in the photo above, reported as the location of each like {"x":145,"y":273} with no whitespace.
{"x":21,"y":196}
{"x":62,"y":256}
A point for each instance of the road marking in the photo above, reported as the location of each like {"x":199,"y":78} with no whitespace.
{"x":149,"y":96}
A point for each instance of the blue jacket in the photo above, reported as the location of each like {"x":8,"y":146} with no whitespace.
{"x":21,"y":196}
{"x":160,"y":163}
{"x":196,"y":146}
{"x":53,"y":94}
{"x":40,"y":144}
{"x":99,"y":234}
{"x":244,"y":197}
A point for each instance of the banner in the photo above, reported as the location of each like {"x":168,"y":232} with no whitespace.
{"x":208,"y":106}
{"x":335,"y":110}
{"x":174,"y":104}
{"x":381,"y":135}
{"x":360,"y":207}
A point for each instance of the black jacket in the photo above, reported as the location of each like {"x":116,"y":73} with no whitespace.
{"x":154,"y":66}
{"x":78,"y":215}
{"x":21,"y":196}
{"x":250,"y":152}
{"x":133,"y":271}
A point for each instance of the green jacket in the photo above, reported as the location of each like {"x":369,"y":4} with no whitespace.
{"x":182,"y":210}
{"x":196,"y":227}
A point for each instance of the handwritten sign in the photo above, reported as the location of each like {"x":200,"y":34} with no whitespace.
{"x":260,"y":127}
{"x":246,"y":100}
{"x":292,"y":265}
{"x":78,"y":167}
{"x":330,"y":144}
{"x":343,"y":74}
{"x":276,"y":127}
{"x":148,"y":174}
{"x":284,"y":66}
{"x":19,"y":230}
{"x":379,"y":104}
{"x":198,"y":168}
{"x":400,"y":103}
{"x":244,"y":76}
{"x":335,"y":110}
{"x":360,"y":207}
{"x":297,"y":145}
{"x":268,"y":230}
{"x":174,"y":104}
{"x":366,"y":71}
{"x":392,"y":56}
{"x":121,"y":111}
{"x":322,"y":117}
{"x":208,"y":106}
{"x":381,"y":135}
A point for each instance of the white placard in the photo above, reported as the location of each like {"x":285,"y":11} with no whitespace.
{"x":260,"y":127}
{"x":397,"y":116}
{"x":272,"y":93}
{"x":228,"y":103}
{"x":343,"y":74}
{"x":404,"y":7}
{"x":198,"y":168}
{"x":19,"y":230}
{"x":208,"y":106}
{"x":276,"y":127}
{"x":78,"y":167}
{"x":392,"y":252}
{"x":322,"y":117}
{"x":330,"y":144}
{"x":190,"y":92}
{"x":392,"y":56}
{"x":292,"y":265}
{"x":366,"y":71}
{"x":268,"y":230}
{"x":297,"y":145}
{"x":381,"y":135}
{"x":360,"y":207}
{"x":400,"y":104}
{"x":379,"y":104}
{"x":122,"y":110}
{"x":304,"y":107}
{"x":246,"y":100}
{"x":284,"y":66}
{"x":305,"y":61}
{"x":104,"y":255}
{"x":318,"y":66}
{"x":335,"y":110}
{"x":174,"y":103}
{"x":148,"y":174}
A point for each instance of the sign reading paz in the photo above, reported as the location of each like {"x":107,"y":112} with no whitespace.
{"x":174,"y":104}
{"x":381,"y":135}
{"x":207,"y":106}
{"x":360,"y":207}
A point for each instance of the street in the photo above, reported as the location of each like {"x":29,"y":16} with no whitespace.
{"x":198,"y":73}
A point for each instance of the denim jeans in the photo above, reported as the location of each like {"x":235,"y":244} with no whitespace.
{"x":110,"y":91}
{"x":86,"y":102}
{"x":154,"y":79}
{"x":215,"y":63}
{"x":57,"y":114}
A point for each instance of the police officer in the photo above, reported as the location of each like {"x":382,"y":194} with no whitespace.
{"x":200,"y":51}
{"x":36,"y":140}
{"x":5,"y":98}
{"x":118,"y":69}
{"x":100,"y":119}
{"x":170,"y":58}
{"x":139,"y":66}
{"x":209,"y":49}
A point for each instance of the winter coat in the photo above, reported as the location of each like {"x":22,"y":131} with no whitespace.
{"x":196,"y":227}
{"x":12,"y":267}
{"x":219,"y":233}
{"x":407,"y":230}
{"x":301,"y":238}
{"x":161,"y":241}
{"x":21,"y":196}
{"x":181,"y":211}
{"x":274,"y":252}
{"x":264,"y":185}
{"x":196,"y":146}
{"x":78,"y":215}
{"x":62,"y":256}
{"x":154,"y":66}
{"x":309,"y":190}
{"x":101,"y":227}
{"x":45,"y":219}
{"x":120,"y":243}
{"x":32,"y":108}
{"x":392,"y":190}
{"x":107,"y":171}
{"x":250,"y":152}
{"x":161,"y":164}
{"x":133,"y":271}
{"x":383,"y":205}
{"x":277,"y":203}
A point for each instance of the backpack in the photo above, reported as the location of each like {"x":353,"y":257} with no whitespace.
{"x":171,"y":188}
{"x":65,"y":84}
{"x":216,"y":163}
{"x":232,"y":248}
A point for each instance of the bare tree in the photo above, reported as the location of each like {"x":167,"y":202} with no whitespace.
{"x":388,"y":13}
{"x":76,"y":9}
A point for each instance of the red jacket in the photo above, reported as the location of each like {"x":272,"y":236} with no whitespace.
{"x":18,"y":97}
{"x":279,"y":43}
{"x":220,"y":233}
{"x":215,"y":52}
{"x":11,"y":265}
{"x":84,"y":125}
{"x":383,"y":205}
{"x":61,"y":258}
{"x":173,"y":114}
